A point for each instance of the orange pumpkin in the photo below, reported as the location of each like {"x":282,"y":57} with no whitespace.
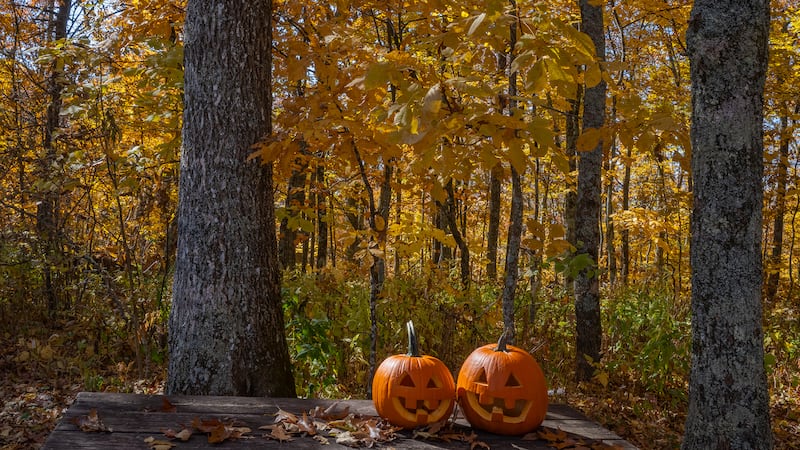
{"x":501,"y":389}
{"x":412,"y":390}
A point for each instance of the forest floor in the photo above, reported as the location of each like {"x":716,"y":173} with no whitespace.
{"x":37,"y":385}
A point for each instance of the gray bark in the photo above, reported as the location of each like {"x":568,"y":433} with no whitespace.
{"x":322,"y":218}
{"x":728,"y":397}
{"x":48,"y":215}
{"x":494,"y":221}
{"x":514,"y":239}
{"x":295,"y":206}
{"x":226,"y":324}
{"x":587,"y":219}
{"x":774,"y":272}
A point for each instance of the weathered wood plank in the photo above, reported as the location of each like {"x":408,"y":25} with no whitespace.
{"x":133,"y":418}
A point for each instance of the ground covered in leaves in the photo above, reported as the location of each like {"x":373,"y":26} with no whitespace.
{"x":39,"y":378}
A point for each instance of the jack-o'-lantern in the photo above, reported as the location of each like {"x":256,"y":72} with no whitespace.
{"x":412,"y":390}
{"x":501,"y":389}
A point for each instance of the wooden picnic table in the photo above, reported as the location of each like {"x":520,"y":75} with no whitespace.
{"x":136,"y":421}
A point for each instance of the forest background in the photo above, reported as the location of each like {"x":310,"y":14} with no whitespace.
{"x":407,"y":98}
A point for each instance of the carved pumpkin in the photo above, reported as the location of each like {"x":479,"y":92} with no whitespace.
{"x":412,"y":390}
{"x":502,"y":389}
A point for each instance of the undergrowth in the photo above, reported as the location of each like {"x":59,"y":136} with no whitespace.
{"x":639,"y":390}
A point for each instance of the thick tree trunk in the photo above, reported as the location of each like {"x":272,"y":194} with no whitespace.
{"x":226,"y":325}
{"x":587,"y":219}
{"x":728,"y":396}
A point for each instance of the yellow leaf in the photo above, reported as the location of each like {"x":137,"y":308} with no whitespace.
{"x":433,"y":101}
{"x":380,"y":224}
{"x":602,"y":378}
{"x":476,"y":23}
{"x":589,"y":139}
{"x":536,"y":79}
{"x":46,"y":353}
{"x":592,"y":76}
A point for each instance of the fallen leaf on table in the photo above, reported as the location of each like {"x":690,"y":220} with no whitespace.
{"x":90,"y":423}
{"x":285,"y":416}
{"x":183,"y":435}
{"x":155,"y":444}
{"x":167,"y":406}
{"x":278,"y":433}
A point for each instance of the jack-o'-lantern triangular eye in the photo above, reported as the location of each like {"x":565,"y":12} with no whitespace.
{"x":433,"y":383}
{"x":407,"y":381}
{"x":512,"y":381}
{"x":482,"y":376}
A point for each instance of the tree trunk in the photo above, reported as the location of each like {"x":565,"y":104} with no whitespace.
{"x":728,"y":396}
{"x":512,"y":255}
{"x":451,"y":222}
{"x":514,"y":238}
{"x":47,"y":209}
{"x":774,"y":266}
{"x":587,"y":219}
{"x":322,"y":218}
{"x":226,"y":324}
{"x":295,"y":202}
{"x":625,"y":249}
{"x":609,"y":221}
{"x":494,"y":221}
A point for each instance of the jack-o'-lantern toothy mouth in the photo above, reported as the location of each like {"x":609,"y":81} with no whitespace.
{"x":421,"y":410}
{"x":495,"y":409}
{"x":435,"y":409}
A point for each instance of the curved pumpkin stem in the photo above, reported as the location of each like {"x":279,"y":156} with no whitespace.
{"x":502,"y":343}
{"x":413,"y":344}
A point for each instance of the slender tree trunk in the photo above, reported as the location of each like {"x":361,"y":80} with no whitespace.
{"x":774,"y":266}
{"x":572,"y":131}
{"x":512,"y":254}
{"x":609,"y":219}
{"x":626,"y":234}
{"x":450,"y":221}
{"x":226,"y":325}
{"x":493,"y":233}
{"x":295,"y":201}
{"x":378,"y":219}
{"x":728,"y":397}
{"x":587,"y":220}
{"x":514,"y":238}
{"x":47,"y":210}
{"x":322,"y":218}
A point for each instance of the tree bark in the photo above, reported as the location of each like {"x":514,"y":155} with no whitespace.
{"x":774,"y":267}
{"x":625,"y":250}
{"x":295,"y":203}
{"x":47,"y":210}
{"x":728,"y":396}
{"x":514,"y":239}
{"x":450,"y":221}
{"x":226,"y":324}
{"x":494,"y":221}
{"x":322,"y":218}
{"x":587,"y":219}
{"x":609,"y":168}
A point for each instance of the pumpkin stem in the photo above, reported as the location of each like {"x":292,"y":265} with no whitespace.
{"x":502,"y":343}
{"x":413,"y":344}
